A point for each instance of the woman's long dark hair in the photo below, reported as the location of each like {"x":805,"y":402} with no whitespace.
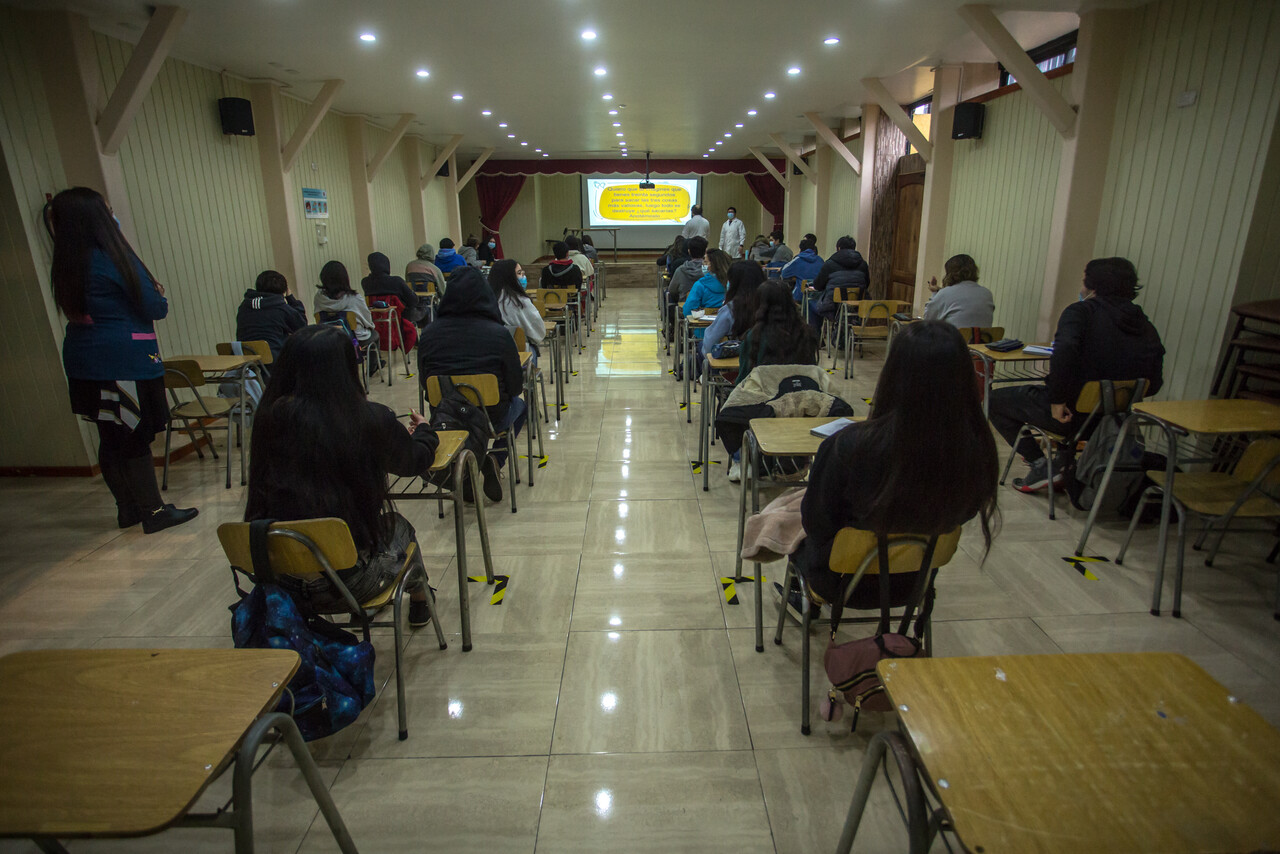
{"x":779,"y":335}
{"x":334,"y":280}
{"x":503,"y":281}
{"x":926,"y":419}
{"x":81,"y":223}
{"x":313,"y":451}
{"x":745,"y":278}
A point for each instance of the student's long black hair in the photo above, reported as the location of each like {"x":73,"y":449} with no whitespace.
{"x":503,"y":281}
{"x":313,"y":451}
{"x":334,"y":280}
{"x":82,"y":222}
{"x":745,"y":278}
{"x":779,"y":334}
{"x":927,"y":420}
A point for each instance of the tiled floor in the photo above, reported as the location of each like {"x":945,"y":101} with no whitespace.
{"x":613,"y":700}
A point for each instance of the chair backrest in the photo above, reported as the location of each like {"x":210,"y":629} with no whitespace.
{"x":486,"y":385}
{"x":183,"y":373}
{"x":849,"y":294}
{"x":421,"y":282}
{"x":876,"y":311}
{"x":290,"y":555}
{"x":1256,"y":457}
{"x":854,"y":551}
{"x":1112,"y":396}
{"x":522,"y":341}
{"x":556,"y":299}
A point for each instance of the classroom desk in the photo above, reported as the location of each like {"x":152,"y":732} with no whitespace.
{"x":451,"y":453}
{"x":1015,"y":365}
{"x":1178,"y":418}
{"x":215,"y":367}
{"x":769,"y":437}
{"x":122,"y":742}
{"x":1036,"y":754}
{"x":532,"y":424}
{"x":684,"y":344}
{"x":712,"y":375}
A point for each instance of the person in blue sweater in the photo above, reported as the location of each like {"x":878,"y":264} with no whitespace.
{"x":803,"y":268}
{"x":447,"y":259}
{"x":708,"y":292}
{"x":115,"y":376}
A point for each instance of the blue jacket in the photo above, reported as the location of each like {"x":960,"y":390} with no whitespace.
{"x":707,"y":292}
{"x":805,"y":267}
{"x":118,"y":340}
{"x":449,"y":260}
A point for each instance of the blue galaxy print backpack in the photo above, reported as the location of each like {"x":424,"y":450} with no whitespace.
{"x":335,"y":679}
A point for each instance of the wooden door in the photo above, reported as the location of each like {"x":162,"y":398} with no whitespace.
{"x":906,"y":236}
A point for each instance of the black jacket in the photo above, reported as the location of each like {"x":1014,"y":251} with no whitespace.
{"x":468,"y":337}
{"x":269,"y":317}
{"x":561,"y":274}
{"x":845,"y":269}
{"x":380,"y":282}
{"x":1103,"y":339}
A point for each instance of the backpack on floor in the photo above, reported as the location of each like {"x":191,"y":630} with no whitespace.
{"x":1128,"y":476}
{"x":456,"y":412}
{"x":334,"y":682}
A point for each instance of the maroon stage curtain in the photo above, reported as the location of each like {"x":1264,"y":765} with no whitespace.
{"x":497,"y":193}
{"x":769,"y":193}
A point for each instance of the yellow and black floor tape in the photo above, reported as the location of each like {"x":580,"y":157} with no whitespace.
{"x":729,"y":585}
{"x":1079,"y":563}
{"x":542,"y":460}
{"x":499,"y":586}
{"x":867,"y":401}
{"x":696,"y":465}
{"x":564,"y":407}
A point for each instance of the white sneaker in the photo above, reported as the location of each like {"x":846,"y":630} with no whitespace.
{"x":735,"y":472}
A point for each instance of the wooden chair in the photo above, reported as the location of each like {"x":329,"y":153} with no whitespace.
{"x":874,"y":316}
{"x":557,"y":305}
{"x":427,"y":289}
{"x":262,"y":350}
{"x":846,"y":301}
{"x":184,"y":375}
{"x":311,"y":547}
{"x":388,"y":318}
{"x":482,"y":390}
{"x":855,"y":555}
{"x":1248,"y":492}
{"x":350,"y":323}
{"x":1096,"y":399}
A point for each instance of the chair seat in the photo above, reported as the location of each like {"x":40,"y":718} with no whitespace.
{"x":215,"y":407}
{"x":872,"y":331}
{"x":388,"y":592}
{"x":1213,"y":493}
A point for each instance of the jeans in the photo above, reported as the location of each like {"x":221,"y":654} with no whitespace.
{"x":1014,"y":406}
{"x":514,"y":420}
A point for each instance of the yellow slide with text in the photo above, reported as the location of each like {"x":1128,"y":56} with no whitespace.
{"x":629,"y":203}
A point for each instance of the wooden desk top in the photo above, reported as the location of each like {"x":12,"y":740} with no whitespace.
{"x":217,"y":364}
{"x":1011,"y":356}
{"x":121,"y":742}
{"x":787,"y":436}
{"x":722,"y":364}
{"x":525,"y":357}
{"x":450,"y":443}
{"x":1099,"y":753}
{"x":1215,"y":416}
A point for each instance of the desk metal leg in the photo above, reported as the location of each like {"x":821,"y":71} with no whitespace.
{"x":747,"y":473}
{"x":920,"y":828}
{"x":462,"y":469}
{"x":755,"y":508}
{"x":686,"y":368}
{"x":704,"y":424}
{"x":50,"y":846}
{"x":1166,"y":505}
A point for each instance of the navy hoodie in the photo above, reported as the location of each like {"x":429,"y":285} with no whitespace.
{"x":380,"y":282}
{"x":468,"y":337}
{"x":269,"y":317}
{"x":1103,"y":338}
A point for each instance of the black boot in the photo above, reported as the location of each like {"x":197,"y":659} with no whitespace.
{"x":156,"y":515}
{"x":128,"y":513}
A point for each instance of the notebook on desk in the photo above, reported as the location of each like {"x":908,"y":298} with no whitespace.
{"x":1038,"y":349}
{"x":824,"y":431}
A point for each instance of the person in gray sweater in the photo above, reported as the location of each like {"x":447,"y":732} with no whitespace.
{"x":960,"y":300}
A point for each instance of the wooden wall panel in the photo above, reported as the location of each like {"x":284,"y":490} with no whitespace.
{"x":1002,"y":203}
{"x":1183,"y":183}
{"x":392,"y":225}
{"x":322,"y":165}
{"x":433,"y":197}
{"x":842,"y":209}
{"x":560,"y":206}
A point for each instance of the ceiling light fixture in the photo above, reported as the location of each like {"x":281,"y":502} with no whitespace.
{"x":738,"y":125}
{"x":601,"y":71}
{"x":793,"y":70}
{"x":546,"y":155}
{"x":368,"y":37}
{"x":537,"y":151}
{"x":619,"y":133}
{"x":613,"y":112}
{"x":727,"y":135}
{"x":770,"y":95}
{"x":522,"y":142}
{"x":831,"y":40}
{"x":606,"y":96}
{"x":457,"y":96}
{"x":422,"y":72}
{"x":511,"y":136}
{"x":617,"y":124}
{"x":719,"y":142}
{"x":706,"y":155}
{"x":711,"y":149}
{"x":502,"y":124}
{"x":751,"y":112}
{"x":588,"y":35}
{"x":486,"y":112}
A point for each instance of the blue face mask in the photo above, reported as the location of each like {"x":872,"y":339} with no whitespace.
{"x":705,"y":269}
{"x":492,"y":245}
{"x":523,"y":280}
{"x":729,"y":214}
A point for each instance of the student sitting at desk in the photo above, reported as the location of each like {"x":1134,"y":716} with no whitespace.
{"x":778,"y":336}
{"x":803,"y":268}
{"x":561,"y":272}
{"x":269,"y":312}
{"x":351,"y":445}
{"x":508,"y":282}
{"x":734,"y":317}
{"x":336,"y":295}
{"x":960,"y":300}
{"x":1103,"y":336}
{"x":708,"y":291}
{"x":901,"y":470}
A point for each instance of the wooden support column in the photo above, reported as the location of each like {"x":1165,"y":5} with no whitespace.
{"x":393,"y":139}
{"x":475,"y":167}
{"x":825,"y":134}
{"x":417,"y":211}
{"x":452,"y":210}
{"x":796,"y":160}
{"x":315,"y":114}
{"x":282,"y":200}
{"x":937,"y":182}
{"x":1103,"y":44}
{"x":824,"y":160}
{"x":894,"y":112}
{"x":361,"y":197}
{"x":148,"y":55}
{"x":442,"y":158}
{"x":866,"y":189}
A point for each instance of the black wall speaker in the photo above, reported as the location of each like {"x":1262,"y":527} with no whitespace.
{"x":968,"y":120}
{"x":443,"y":171}
{"x":236,"y":115}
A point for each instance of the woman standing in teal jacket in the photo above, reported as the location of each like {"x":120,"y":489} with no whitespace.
{"x":114,"y":373}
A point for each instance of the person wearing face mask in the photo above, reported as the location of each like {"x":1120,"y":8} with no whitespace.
{"x":508,"y":281}
{"x":733,"y":234}
{"x":485,"y":251}
{"x":589,"y":249}
{"x":777,"y":254}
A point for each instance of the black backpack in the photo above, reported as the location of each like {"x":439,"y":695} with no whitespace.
{"x":456,"y":412}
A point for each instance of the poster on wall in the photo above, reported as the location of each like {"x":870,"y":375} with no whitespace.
{"x":315,"y":203}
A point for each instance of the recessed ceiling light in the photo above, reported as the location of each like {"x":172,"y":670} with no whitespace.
{"x":623,"y":143}
{"x":706,"y":155}
{"x":727,"y":135}
{"x":422,"y":72}
{"x":537,"y":151}
{"x":769,"y":95}
{"x":751,"y":112}
{"x":606,"y":96}
{"x":738,"y":125}
{"x":588,"y":34}
{"x":719,"y":142}
{"x":619,"y":133}
{"x":601,"y":71}
{"x":522,"y":142}
{"x":831,"y":40}
{"x":613,"y":112}
{"x":617,"y":124}
{"x":793,"y":70}
{"x":546,"y":155}
{"x":624,"y":154}
{"x":486,"y":112}
{"x":368,"y":37}
{"x":457,"y":96}
{"x":710,"y":149}
{"x":511,"y":136}
{"x":502,"y":124}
